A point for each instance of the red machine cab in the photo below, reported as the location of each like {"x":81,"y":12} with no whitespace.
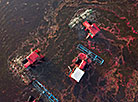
{"x":33,"y":57}
{"x":81,"y":62}
{"x":92,"y":29}
{"x":32,"y":99}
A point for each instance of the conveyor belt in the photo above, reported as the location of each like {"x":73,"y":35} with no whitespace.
{"x":44,"y":91}
{"x":92,"y":55}
{"x":80,"y":18}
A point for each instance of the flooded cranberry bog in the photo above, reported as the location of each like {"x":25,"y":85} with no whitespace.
{"x":44,"y":25}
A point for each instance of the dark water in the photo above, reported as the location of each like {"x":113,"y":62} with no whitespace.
{"x":29,"y":24}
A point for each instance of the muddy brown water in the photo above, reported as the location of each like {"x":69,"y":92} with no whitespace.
{"x":44,"y":24}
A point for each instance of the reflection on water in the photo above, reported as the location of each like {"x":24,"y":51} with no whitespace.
{"x":43,"y":24}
